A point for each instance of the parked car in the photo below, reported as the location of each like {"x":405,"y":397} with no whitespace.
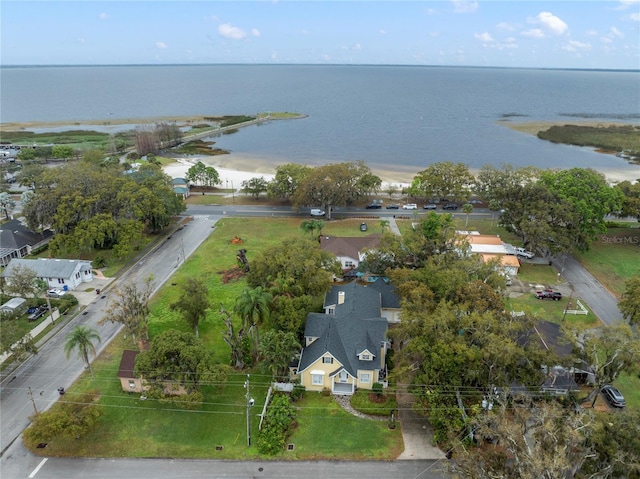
{"x":37,"y":313}
{"x":56,"y":293}
{"x":363,"y":226}
{"x":317,"y":212}
{"x":549,"y":294}
{"x":392,"y":207}
{"x":373,"y":206}
{"x":430,"y":206}
{"x":523,"y":252}
{"x":613,"y":396}
{"x":410,"y":206}
{"x":450,"y":206}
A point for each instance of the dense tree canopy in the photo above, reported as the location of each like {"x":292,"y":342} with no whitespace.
{"x":286,"y":180}
{"x":336,"y":184}
{"x":631,"y":202}
{"x":174,"y":357}
{"x":630,"y":302}
{"x":100,"y":207}
{"x":443,"y":180}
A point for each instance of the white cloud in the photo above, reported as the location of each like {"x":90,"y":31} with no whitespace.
{"x":435,"y":34}
{"x":212,"y":18}
{"x":229,"y":31}
{"x":81,"y":40}
{"x":161,"y":45}
{"x":574,"y":46}
{"x":624,"y":4}
{"x":483,"y":37}
{"x":616,"y":33}
{"x":606,"y":40}
{"x":550,"y":23}
{"x":104,"y":16}
{"x":533,"y":33}
{"x":505,"y":26}
{"x":635,"y":17}
{"x":382,"y":31}
{"x":464,"y":6}
{"x":255,"y":32}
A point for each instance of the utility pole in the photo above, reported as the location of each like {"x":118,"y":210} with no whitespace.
{"x":249,"y":401}
{"x":32,"y":401}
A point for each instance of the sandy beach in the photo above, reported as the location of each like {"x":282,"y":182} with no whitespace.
{"x":235,"y":169}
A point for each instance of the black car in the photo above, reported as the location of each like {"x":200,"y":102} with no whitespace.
{"x":393,"y":207}
{"x":363,"y":226}
{"x":374,"y":206}
{"x":613,"y":396}
{"x":549,"y":294}
{"x":450,"y":206}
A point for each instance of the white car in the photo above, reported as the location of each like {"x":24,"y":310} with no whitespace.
{"x":523,"y":252}
{"x":56,"y":293}
{"x":410,"y":206}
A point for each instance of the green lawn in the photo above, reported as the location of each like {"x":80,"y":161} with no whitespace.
{"x":614,"y":257}
{"x":132,"y":427}
{"x":553,"y":311}
{"x":629,"y":386}
{"x":326,"y":431}
{"x":538,"y":274}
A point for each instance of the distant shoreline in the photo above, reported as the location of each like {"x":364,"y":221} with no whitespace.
{"x":400,"y":175}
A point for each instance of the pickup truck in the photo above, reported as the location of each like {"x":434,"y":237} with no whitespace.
{"x":524,"y":253}
{"x":549,"y":294}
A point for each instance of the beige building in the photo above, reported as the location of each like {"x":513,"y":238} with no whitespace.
{"x":345,"y":348}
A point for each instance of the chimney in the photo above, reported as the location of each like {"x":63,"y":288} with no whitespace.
{"x":340,"y":297}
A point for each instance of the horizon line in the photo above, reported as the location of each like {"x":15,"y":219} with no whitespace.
{"x":407,"y":65}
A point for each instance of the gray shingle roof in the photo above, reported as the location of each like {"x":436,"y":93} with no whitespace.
{"x":355,"y":326}
{"x":47,"y":267}
{"x":349,"y":246}
{"x":14,"y":235}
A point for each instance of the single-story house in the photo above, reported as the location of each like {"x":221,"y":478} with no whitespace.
{"x":17,"y":241}
{"x":350,"y":251}
{"x":14,"y":305}
{"x":491,"y":247}
{"x":66,"y":274}
{"x":130,"y":383}
{"x":345,"y":348}
{"x":128,"y":380}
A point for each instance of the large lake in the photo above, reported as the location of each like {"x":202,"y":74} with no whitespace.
{"x":392,"y":117}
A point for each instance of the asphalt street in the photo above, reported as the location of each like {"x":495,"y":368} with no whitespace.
{"x":584,"y":285}
{"x":34,"y":384}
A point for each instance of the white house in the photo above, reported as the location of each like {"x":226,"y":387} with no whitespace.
{"x":66,"y":274}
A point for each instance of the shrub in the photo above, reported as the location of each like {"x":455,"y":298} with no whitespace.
{"x":298,"y":392}
{"x":277,"y":425}
{"x":377,"y":388}
{"x":99,"y":262}
{"x":326,"y":392}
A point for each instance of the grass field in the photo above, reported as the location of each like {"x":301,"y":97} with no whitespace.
{"x":614,"y":257}
{"x":132,"y":427}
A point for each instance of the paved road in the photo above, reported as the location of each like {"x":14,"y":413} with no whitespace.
{"x":82,"y":468}
{"x":40,"y":376}
{"x":597,"y":297}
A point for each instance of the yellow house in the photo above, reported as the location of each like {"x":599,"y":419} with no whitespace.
{"x":345,"y":348}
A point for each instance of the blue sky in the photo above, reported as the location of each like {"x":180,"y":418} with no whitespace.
{"x":508,"y":33}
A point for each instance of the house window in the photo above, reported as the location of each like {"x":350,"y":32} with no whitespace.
{"x":60,"y":281}
{"x":349,"y":264}
{"x":342,"y":377}
{"x":365,"y":378}
{"x":317,"y":379}
{"x":366,"y":357}
{"x":327,"y":360}
{"x":132,"y":384}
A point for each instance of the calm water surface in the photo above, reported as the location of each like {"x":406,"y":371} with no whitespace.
{"x":388,"y":116}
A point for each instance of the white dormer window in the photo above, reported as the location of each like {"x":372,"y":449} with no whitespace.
{"x":365,"y":357}
{"x":327,"y":360}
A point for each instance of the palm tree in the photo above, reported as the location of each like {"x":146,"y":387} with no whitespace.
{"x":307,"y":226}
{"x":467,"y":209}
{"x":253,"y":306}
{"x":81,"y":338}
